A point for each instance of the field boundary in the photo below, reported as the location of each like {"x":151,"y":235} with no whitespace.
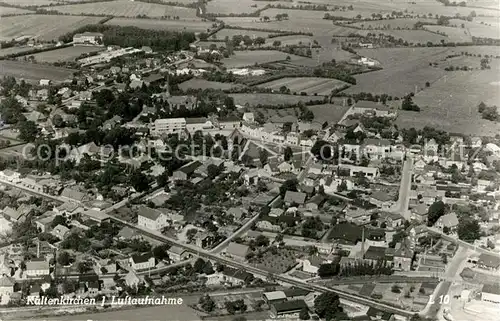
{"x":35,"y":51}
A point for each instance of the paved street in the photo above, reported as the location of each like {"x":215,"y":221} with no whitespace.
{"x":401,"y":206}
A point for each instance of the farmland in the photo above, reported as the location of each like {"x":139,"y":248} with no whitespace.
{"x":404,"y":68}
{"x":392,"y":23}
{"x":10,"y":11}
{"x":250,"y":58}
{"x":451,"y":102}
{"x":235,"y":7}
{"x":14,"y":50}
{"x":331,"y":113}
{"x":44,"y":27}
{"x":24,"y":3}
{"x":252,"y":100}
{"x":453,"y":34}
{"x":309,"y":85}
{"x":64,"y":54}
{"x":412,"y":36}
{"x":233,"y":32}
{"x":205,"y":84}
{"x":188,"y":25}
{"x":33,"y":72}
{"x":476,"y":29}
{"x":290,"y":40}
{"x":125,"y":8}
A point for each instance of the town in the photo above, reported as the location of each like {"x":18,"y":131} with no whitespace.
{"x":166,"y":166}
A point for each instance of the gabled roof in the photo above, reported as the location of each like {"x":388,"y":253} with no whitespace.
{"x":141,"y":258}
{"x":190,"y":167}
{"x":237,"y":249}
{"x":289,"y":306}
{"x":6,"y":281}
{"x":489,"y":260}
{"x":37,"y":265}
{"x":295,"y":197}
{"x":12,"y":213}
{"x":148,"y":213}
{"x":449,"y":220}
{"x":176,"y":250}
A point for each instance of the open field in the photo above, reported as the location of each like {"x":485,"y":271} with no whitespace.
{"x":477,"y":29}
{"x":64,"y":54}
{"x":125,"y":8}
{"x":412,"y":36}
{"x":391,"y":23}
{"x":14,"y":50}
{"x":316,"y":26}
{"x":404,"y":68}
{"x":231,"y":6}
{"x":309,"y":85}
{"x":194,"y":25}
{"x":489,"y":21}
{"x":271,"y":114}
{"x":9,"y":11}
{"x":453,"y":34}
{"x":295,"y":15}
{"x":332,"y":113}
{"x":43,"y":27}
{"x":222,"y":34}
{"x":33,"y":72}
{"x":252,"y":100}
{"x":205,"y":84}
{"x":290,"y":40}
{"x":252,"y":57}
{"x":451,"y":102}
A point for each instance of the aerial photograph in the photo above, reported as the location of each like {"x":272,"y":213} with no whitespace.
{"x":248,"y":160}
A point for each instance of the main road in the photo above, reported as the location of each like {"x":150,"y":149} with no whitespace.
{"x":404,"y":189}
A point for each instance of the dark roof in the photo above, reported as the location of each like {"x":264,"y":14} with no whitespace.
{"x":190,"y":167}
{"x":238,"y":274}
{"x":141,"y":258}
{"x":492,"y":288}
{"x":378,"y":314}
{"x":296,"y":292}
{"x":88,"y":278}
{"x":489,"y":260}
{"x":229,"y":119}
{"x":148,"y":213}
{"x":375,"y":253}
{"x":295,"y":197}
{"x":196,"y":120}
{"x":289,"y":306}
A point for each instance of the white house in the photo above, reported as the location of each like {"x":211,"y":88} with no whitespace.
{"x":311,"y":265}
{"x":151,"y":219}
{"x":37,"y":268}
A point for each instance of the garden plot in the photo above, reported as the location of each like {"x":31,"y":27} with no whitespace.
{"x":309,"y":85}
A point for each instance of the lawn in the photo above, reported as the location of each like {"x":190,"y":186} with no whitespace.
{"x":126,"y":8}
{"x":253,"y":57}
{"x":309,"y":85}
{"x":64,"y":54}
{"x":280,"y":262}
{"x":33,"y":72}
{"x":330,"y":113}
{"x":222,"y":34}
{"x":235,"y":7}
{"x":253,"y":100}
{"x":451,"y":103}
{"x":404,"y":68}
{"x":205,"y":84}
{"x":193,"y":25}
{"x":43,"y":27}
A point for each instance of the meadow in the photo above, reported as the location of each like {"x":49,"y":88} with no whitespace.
{"x":33,"y":72}
{"x":253,"y":100}
{"x":235,"y":7}
{"x":253,"y":57}
{"x":290,"y":40}
{"x":14,"y":50}
{"x":391,"y":23}
{"x":125,"y":8}
{"x":476,"y":29}
{"x":206,"y":84}
{"x":194,"y":25}
{"x":10,"y":11}
{"x":222,"y":34}
{"x":64,"y":54}
{"x":453,"y":34}
{"x":403,"y":69}
{"x":309,"y":85}
{"x":331,"y":113}
{"x":44,"y":27}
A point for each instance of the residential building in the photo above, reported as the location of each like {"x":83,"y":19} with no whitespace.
{"x":37,"y":268}
{"x":368,"y":172}
{"x":177,"y":254}
{"x":13,"y":215}
{"x":186,"y":171}
{"x":376,"y":314}
{"x":488,"y":262}
{"x":151,"y":218}
{"x":311,"y":265}
{"x":403,"y":256}
{"x":167,"y":126}
{"x":6,"y":285}
{"x":382,"y":199}
{"x":88,"y":38}
{"x":448,"y":221}
{"x":287,"y":308}
{"x":274,"y":297}
{"x":490,"y":292}
{"x":419,"y":212}
{"x":142,"y":262}
{"x":60,"y":231}
{"x":294,"y":198}
{"x":204,"y":240}
{"x":236,"y":277}
{"x":237,"y":251}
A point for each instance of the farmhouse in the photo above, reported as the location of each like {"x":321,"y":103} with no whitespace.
{"x":88,"y":38}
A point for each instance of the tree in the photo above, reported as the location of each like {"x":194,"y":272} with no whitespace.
{"x":263,"y":156}
{"x":28,"y":131}
{"x":481,"y":107}
{"x":213,"y":171}
{"x":199,"y":265}
{"x":327,"y":306}
{"x":304,"y":314}
{"x":468,"y":229}
{"x":160,"y":252}
{"x":58,"y":220}
{"x":259,"y":41}
{"x":139,"y":181}
{"x":276,"y":43}
{"x":436,"y":210}
{"x":288,"y":153}
{"x":206,"y":303}
{"x":64,"y":258}
{"x":261,"y":240}
{"x":84,"y":267}
{"x":58,"y":121}
{"x":288,"y":185}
